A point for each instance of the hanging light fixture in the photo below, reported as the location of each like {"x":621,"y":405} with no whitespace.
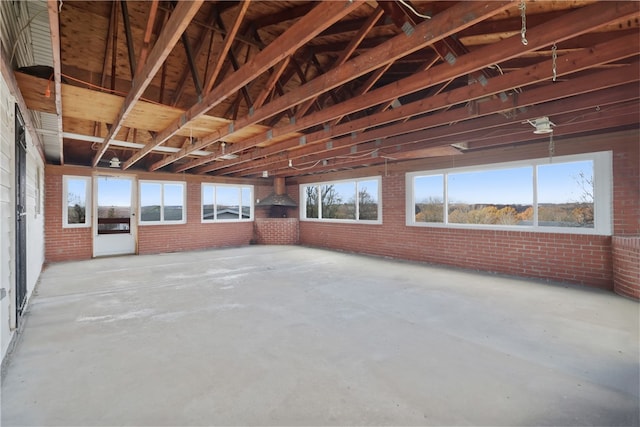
{"x":114,"y":162}
{"x":542,"y":125}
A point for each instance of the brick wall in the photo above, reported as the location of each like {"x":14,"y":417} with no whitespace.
{"x":65,"y":244}
{"x":277,"y":231}
{"x":194,"y":234}
{"x":575,"y":258}
{"x":626,"y":265}
{"x":62,"y":244}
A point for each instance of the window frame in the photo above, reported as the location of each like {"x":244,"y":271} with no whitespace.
{"x":88,"y":204}
{"x":303,"y":210}
{"x":602,"y":197}
{"x":162,"y":221}
{"x":240,"y":187}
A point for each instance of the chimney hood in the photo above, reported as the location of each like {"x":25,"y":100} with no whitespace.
{"x":279,"y":196}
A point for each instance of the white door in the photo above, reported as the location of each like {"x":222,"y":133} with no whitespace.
{"x":114,"y":225}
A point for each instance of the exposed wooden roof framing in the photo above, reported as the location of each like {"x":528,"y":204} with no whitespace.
{"x":299,"y":87}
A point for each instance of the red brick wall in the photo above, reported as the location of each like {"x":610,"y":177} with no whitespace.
{"x":194,"y":234}
{"x":626,"y":266}
{"x":65,"y":244}
{"x":62,"y":244}
{"x":277,"y":231}
{"x":575,"y":258}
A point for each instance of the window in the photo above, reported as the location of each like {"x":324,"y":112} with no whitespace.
{"x":162,"y":202}
{"x":222,"y":202}
{"x":569,"y":194}
{"x":77,"y":196}
{"x":342,"y":200}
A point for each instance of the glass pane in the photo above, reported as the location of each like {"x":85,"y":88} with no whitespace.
{"x":246,"y":202}
{"x":173,"y":201}
{"x":501,"y":196}
{"x":339,"y":200}
{"x":76,"y":201}
{"x":150,"y":201}
{"x":208,"y":194}
{"x":368,"y":200}
{"x":311,"y":201}
{"x":228,"y":202}
{"x":565,"y":194}
{"x":428,"y":195}
{"x":114,"y":205}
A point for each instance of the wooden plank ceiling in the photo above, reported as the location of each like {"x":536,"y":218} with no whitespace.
{"x":297,"y":87}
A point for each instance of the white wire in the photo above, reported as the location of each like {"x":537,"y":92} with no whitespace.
{"x":418,"y":14}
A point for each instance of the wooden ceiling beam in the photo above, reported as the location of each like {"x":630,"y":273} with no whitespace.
{"x":204,"y":32}
{"x":191,"y":64}
{"x":578,"y":22}
{"x":427,"y":33}
{"x":287,"y":14}
{"x":365,"y":87}
{"x":478,"y":133}
{"x":128,"y":37}
{"x":171,"y":32}
{"x":583,"y":122}
{"x":271,"y":83}
{"x":148,"y":32}
{"x":320,"y":17}
{"x":54,"y":28}
{"x":532,"y":75}
{"x":346,"y":53}
{"x":226,"y":47}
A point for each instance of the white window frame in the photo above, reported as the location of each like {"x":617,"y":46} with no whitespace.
{"x":209,"y":185}
{"x":602,"y":197}
{"x":88,"y":206}
{"x":163,"y":221}
{"x":303,"y":210}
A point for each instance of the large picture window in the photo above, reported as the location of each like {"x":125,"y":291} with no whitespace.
{"x":76,"y":210}
{"x":355,"y":200}
{"x":162,"y":202}
{"x":222,"y":202}
{"x":568,"y":194}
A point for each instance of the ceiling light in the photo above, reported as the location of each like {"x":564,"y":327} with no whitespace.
{"x":542,"y":125}
{"x":229,"y":156}
{"x":114,"y":162}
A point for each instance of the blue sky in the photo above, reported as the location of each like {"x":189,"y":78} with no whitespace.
{"x":557,"y":183}
{"x":114,"y":192}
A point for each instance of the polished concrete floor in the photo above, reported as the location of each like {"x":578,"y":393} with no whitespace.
{"x":280,"y":335}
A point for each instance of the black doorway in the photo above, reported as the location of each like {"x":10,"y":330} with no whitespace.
{"x":21,"y":214}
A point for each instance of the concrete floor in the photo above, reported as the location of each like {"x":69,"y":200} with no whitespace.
{"x":269,"y":335}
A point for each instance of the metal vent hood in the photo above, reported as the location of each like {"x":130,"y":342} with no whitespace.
{"x":279,"y":196}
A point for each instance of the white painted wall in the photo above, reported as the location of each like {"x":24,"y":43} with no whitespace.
{"x":35,"y":217}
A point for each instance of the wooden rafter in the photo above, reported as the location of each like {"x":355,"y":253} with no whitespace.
{"x":171,"y":32}
{"x":439,"y":131}
{"x":298,"y":34}
{"x":271,"y":83}
{"x":346,"y":53}
{"x":128,"y":37}
{"x":204,"y":32}
{"x":478,"y":138}
{"x":233,"y":60}
{"x":226,"y":47}
{"x":146,"y":42}
{"x":54,"y":26}
{"x":620,"y":48}
{"x":438,"y":127}
{"x":191,"y":61}
{"x":441,"y":26}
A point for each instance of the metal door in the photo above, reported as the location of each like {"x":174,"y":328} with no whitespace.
{"x":21,"y":213}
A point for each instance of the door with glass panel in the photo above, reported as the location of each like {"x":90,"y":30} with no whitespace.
{"x":114,"y":227}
